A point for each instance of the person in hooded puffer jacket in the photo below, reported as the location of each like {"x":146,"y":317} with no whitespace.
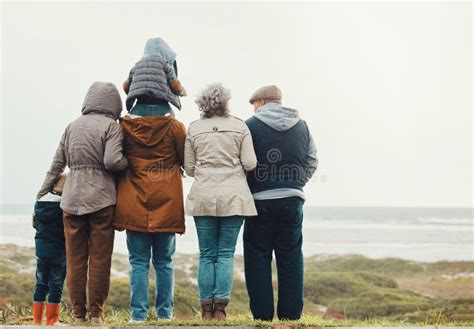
{"x":150,"y":204}
{"x":91,"y":146}
{"x":153,"y":81}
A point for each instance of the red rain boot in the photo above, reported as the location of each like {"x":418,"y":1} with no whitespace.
{"x":38,"y":308}
{"x":52,"y":314}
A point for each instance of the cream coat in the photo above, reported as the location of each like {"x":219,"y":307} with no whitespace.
{"x":218,"y":152}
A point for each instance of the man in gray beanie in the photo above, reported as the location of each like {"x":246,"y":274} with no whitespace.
{"x":287,"y":159}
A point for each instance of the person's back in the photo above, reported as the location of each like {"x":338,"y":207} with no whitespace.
{"x":282,"y":144}
{"x":286,"y":161}
{"x":220,"y":167}
{"x":150,"y":204}
{"x":48,"y":223}
{"x":91,"y":146}
{"x":218,"y":152}
{"x":50,"y":253}
{"x":150,"y":197}
{"x":154,"y":78}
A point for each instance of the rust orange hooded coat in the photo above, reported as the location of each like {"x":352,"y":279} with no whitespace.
{"x":150,"y":191}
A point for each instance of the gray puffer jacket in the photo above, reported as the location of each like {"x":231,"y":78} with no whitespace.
{"x":91,"y":146}
{"x":148,"y":78}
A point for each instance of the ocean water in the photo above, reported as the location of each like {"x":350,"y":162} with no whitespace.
{"x":421,"y":234}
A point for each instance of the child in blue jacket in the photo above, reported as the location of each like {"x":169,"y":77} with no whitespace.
{"x":50,"y":255}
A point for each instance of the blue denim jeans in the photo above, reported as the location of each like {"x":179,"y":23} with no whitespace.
{"x":50,"y":275}
{"x":159,"y":247}
{"x":217,"y":238}
{"x":146,"y":110}
{"x":278,"y":227}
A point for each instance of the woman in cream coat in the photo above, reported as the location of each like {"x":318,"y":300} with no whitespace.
{"x":218,"y":153}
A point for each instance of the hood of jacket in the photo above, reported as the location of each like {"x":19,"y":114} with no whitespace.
{"x":103,"y":98}
{"x":159,"y":47}
{"x":148,"y":131}
{"x":278,"y":117}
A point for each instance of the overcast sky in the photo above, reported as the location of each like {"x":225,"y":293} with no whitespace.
{"x":384,"y":87}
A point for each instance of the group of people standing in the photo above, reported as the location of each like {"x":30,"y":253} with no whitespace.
{"x":127,"y":175}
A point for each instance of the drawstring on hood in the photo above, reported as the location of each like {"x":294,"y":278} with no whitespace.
{"x":278,"y":117}
{"x":159,"y":47}
{"x":103,"y":98}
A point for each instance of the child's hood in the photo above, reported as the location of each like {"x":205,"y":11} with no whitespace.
{"x":103,"y":98}
{"x":159,"y":47}
{"x":148,"y":131}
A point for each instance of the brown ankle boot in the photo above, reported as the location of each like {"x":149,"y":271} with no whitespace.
{"x":79,"y":321}
{"x":206,"y":309}
{"x":219,"y":309}
{"x":97,"y":320}
{"x":38,"y":308}
{"x":52,"y":314}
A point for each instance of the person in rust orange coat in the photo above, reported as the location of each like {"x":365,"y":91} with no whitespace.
{"x":150,"y":204}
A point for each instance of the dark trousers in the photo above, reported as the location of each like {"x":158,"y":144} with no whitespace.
{"x":50,"y":275}
{"x":89,"y":246}
{"x":278,"y":228}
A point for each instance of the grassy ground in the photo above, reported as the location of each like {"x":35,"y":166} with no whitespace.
{"x":346,"y":290}
{"x":14,"y":315}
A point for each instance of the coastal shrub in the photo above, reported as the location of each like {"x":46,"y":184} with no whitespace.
{"x":119,"y":294}
{"x":186,"y":300}
{"x":16,"y":289}
{"x":365,"y":308}
{"x":322,"y":287}
{"x":451,"y":267}
{"x":386,"y":266}
{"x":377,"y":280}
{"x":239,"y":298}
{"x":461,"y":309}
{"x":366,"y":291}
